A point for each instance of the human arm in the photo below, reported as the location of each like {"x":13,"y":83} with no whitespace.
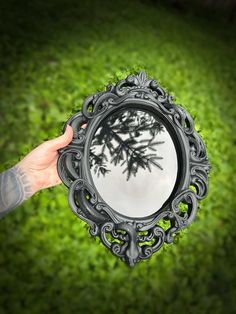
{"x":36,"y":171}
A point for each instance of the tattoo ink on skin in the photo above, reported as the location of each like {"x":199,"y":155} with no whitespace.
{"x":14,"y":189}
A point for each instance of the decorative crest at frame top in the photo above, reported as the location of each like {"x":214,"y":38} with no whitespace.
{"x":139,"y":80}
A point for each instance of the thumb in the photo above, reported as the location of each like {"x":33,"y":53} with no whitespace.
{"x":62,"y":140}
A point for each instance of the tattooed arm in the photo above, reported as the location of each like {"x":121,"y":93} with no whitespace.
{"x":37,"y":171}
{"x":14,"y":189}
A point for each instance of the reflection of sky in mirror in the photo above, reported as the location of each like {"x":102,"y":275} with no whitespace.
{"x":137,"y":192}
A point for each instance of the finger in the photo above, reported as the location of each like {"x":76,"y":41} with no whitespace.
{"x":62,"y":140}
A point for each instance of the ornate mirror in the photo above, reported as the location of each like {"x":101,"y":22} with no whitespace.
{"x":136,"y":172}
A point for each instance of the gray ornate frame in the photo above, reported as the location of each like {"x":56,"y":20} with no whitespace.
{"x":128,"y":238}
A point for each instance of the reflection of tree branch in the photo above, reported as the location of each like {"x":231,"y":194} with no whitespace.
{"x":98,"y":163}
{"x":126,"y":151}
{"x":136,"y":155}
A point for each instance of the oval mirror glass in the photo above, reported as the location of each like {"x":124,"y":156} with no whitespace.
{"x":133,"y":162}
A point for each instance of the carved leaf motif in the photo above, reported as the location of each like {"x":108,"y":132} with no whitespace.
{"x":142,"y":79}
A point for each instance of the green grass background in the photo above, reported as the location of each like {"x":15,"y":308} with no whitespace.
{"x":52,"y":55}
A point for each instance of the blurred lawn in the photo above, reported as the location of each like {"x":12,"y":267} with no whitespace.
{"x":53,"y":55}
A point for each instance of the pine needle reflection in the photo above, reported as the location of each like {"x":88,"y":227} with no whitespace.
{"x":126,"y":138}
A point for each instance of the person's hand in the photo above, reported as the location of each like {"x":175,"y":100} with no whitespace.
{"x":40,"y":165}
